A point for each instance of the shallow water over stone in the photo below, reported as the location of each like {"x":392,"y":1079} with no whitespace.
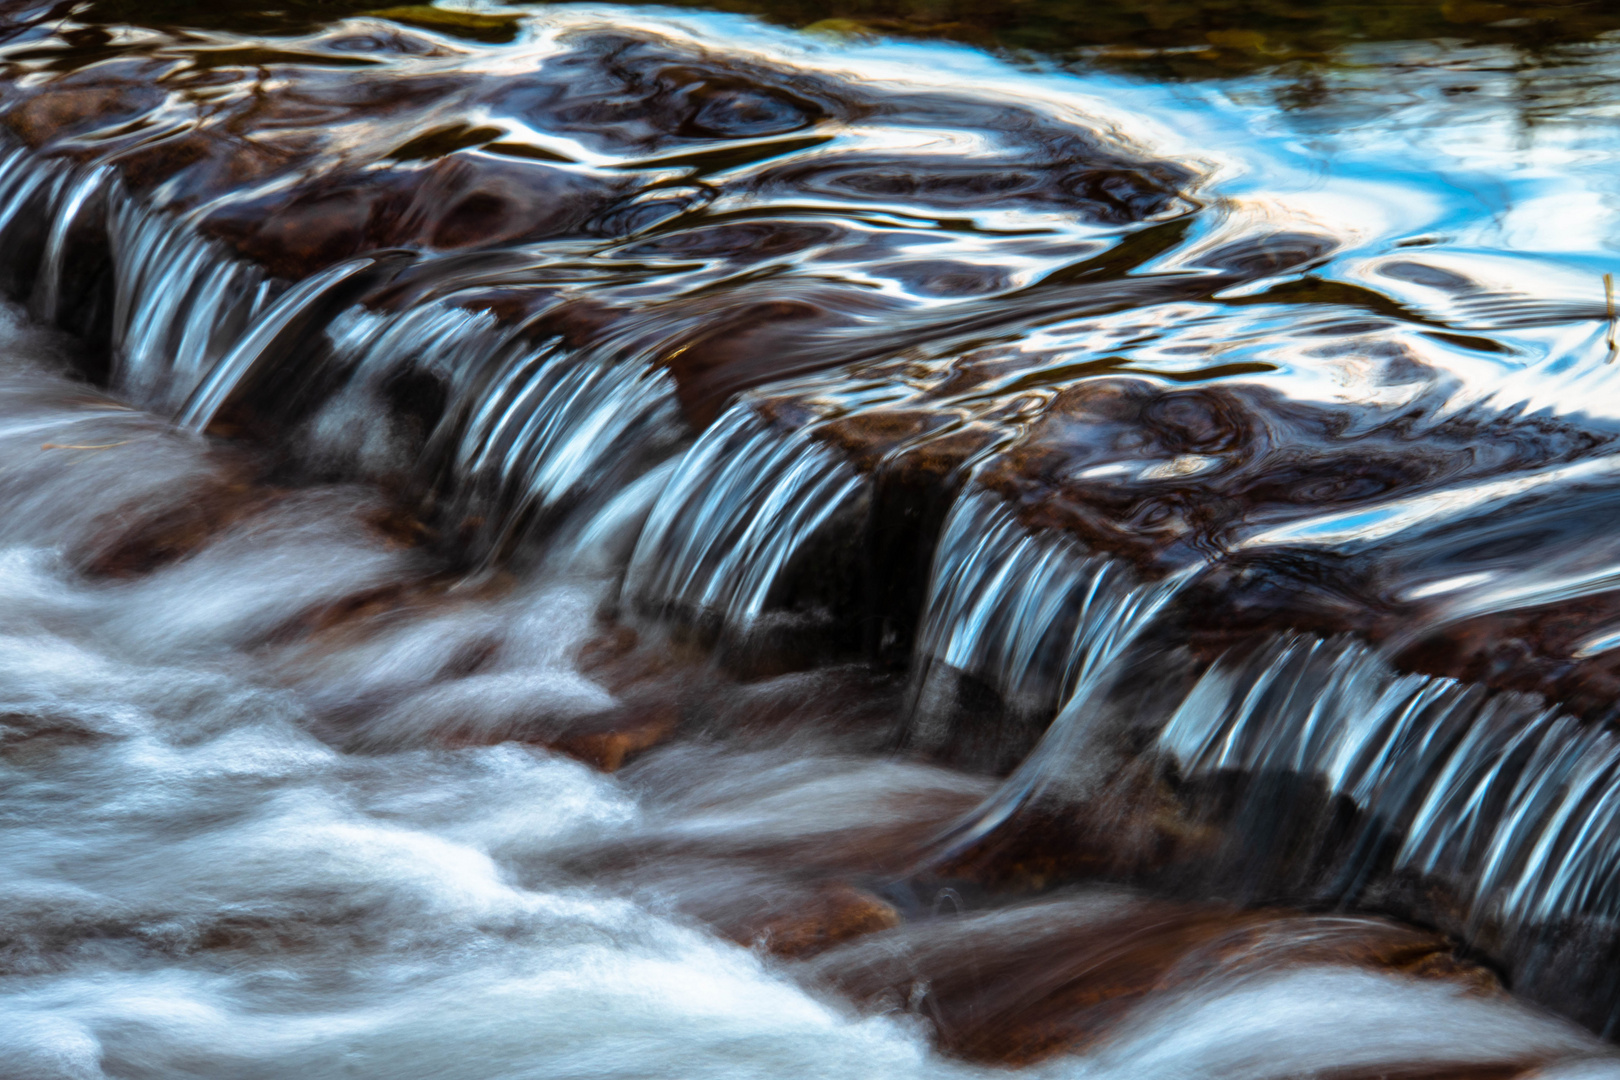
{"x":607,"y":541}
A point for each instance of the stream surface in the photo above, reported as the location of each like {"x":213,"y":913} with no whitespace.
{"x":594,"y":541}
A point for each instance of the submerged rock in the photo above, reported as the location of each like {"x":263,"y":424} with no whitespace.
{"x":1021,"y":984}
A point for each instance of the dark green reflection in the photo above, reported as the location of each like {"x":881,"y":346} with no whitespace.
{"x":1188,"y":38}
{"x":1196,"y":37}
{"x":245,"y":16}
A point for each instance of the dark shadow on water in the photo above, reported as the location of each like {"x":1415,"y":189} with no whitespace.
{"x":1161,"y":38}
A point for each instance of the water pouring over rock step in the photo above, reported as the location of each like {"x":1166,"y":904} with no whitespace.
{"x":1042,"y":597}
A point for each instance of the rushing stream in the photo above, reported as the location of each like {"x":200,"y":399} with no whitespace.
{"x":588,"y":541}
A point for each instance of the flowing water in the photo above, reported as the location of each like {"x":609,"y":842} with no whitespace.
{"x":570,"y":541}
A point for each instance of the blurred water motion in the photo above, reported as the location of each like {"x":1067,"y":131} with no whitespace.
{"x":542,"y":542}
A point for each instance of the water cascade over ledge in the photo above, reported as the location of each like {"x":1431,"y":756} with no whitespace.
{"x":532,"y":532}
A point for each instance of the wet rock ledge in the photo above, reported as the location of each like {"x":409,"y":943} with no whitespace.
{"x":972,"y":391}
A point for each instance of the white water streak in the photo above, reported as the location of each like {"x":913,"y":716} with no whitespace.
{"x":69,"y":205}
{"x":1507,"y":799}
{"x":532,"y":424}
{"x":741,"y":504}
{"x":180,"y":302}
{"x":235,"y":366}
{"x":1000,"y":601}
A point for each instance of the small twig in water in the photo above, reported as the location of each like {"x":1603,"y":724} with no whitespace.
{"x":71,"y":446}
{"x":1608,"y":304}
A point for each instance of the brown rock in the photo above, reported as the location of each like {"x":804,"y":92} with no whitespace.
{"x":833,"y":914}
{"x":614,"y":643}
{"x":142,"y":538}
{"x":608,"y":741}
{"x":1020,"y":984}
{"x":61,"y":111}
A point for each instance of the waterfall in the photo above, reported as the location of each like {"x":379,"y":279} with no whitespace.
{"x":527,"y":423}
{"x":1039,"y":618}
{"x":644,"y":520}
{"x":1508,"y":801}
{"x":742,"y":502}
{"x":1033,"y":614}
{"x":181,"y":303}
{"x":229,"y":372}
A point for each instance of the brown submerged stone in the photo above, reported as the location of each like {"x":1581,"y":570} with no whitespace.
{"x":175,"y":532}
{"x":1536,"y":650}
{"x":27,"y":738}
{"x":830,"y":915}
{"x":742,"y":342}
{"x":1127,"y":832}
{"x":1430,"y":1071}
{"x":611,"y":739}
{"x":464,"y":201}
{"x":1018,"y":985}
{"x":361,"y":138}
{"x":83,"y":103}
{"x":1208,"y":462}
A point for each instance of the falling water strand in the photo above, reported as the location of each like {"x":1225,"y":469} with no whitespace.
{"x":527,"y":424}
{"x":235,"y":366}
{"x":1003,"y":603}
{"x":77,"y":192}
{"x":1001,"y":599}
{"x":455,"y":347}
{"x":565,"y":426}
{"x":180,"y":302}
{"x":24,"y":179}
{"x":1506,"y":800}
{"x":741,"y":504}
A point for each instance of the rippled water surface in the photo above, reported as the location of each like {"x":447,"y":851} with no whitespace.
{"x":824,"y":539}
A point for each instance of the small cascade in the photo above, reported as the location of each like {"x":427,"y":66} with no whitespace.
{"x":235,"y":367}
{"x":181,"y":304}
{"x":742,"y":502}
{"x":1510,"y":804}
{"x":354,"y":433}
{"x":1034,"y":615}
{"x":562,"y":423}
{"x":525,"y":424}
{"x":1009,"y":606}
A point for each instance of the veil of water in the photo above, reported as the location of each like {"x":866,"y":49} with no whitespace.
{"x":562,"y":541}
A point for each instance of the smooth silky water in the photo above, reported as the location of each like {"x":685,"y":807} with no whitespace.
{"x":581,"y":541}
